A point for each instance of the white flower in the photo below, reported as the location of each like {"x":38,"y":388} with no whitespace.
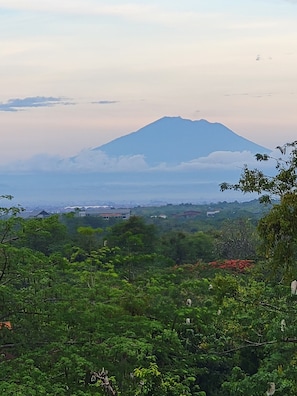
{"x":188,"y":302}
{"x":294,"y":287}
{"x":271,"y":389}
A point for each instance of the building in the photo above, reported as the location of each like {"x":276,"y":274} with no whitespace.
{"x":105,"y":212}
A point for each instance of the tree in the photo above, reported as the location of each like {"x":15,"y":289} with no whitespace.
{"x":187,"y":248}
{"x":45,"y":235}
{"x":133,"y":236}
{"x":89,"y":237}
{"x":277,"y":229}
{"x":237,"y":239}
{"x":284,"y":182}
{"x":9,"y":221}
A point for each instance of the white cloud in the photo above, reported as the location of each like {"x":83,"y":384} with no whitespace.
{"x":85,"y":161}
{"x":97,"y":161}
{"x":220,"y":160}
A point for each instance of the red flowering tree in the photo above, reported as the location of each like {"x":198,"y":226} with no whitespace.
{"x":236,"y":265}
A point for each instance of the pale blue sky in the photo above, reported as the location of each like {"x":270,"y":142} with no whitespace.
{"x":76,"y":74}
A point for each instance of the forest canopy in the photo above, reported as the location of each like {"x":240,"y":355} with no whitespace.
{"x":145,"y":306}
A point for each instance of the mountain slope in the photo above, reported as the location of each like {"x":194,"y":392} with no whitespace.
{"x":174,"y":140}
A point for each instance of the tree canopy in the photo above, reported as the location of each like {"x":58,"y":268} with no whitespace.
{"x":73,"y":321}
{"x":278,"y":229}
{"x":270,"y":187}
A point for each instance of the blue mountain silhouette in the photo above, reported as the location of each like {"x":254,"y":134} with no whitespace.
{"x":173,"y":140}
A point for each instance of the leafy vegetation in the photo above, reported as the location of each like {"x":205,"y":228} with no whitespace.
{"x":277,"y":229}
{"x":172,"y":305}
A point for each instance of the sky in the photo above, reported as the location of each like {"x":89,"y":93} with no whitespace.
{"x":75,"y":74}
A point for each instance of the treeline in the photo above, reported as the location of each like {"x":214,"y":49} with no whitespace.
{"x":178,"y":238}
{"x":134,"y":308}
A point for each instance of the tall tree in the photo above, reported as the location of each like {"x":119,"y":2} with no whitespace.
{"x":237,"y":239}
{"x":46,"y":235}
{"x":278,"y":229}
{"x":133,"y":236}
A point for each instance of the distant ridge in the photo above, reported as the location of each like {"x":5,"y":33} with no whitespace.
{"x":173,"y":140}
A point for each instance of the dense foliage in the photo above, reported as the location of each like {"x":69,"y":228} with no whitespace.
{"x":278,"y":229}
{"x":131,"y":308}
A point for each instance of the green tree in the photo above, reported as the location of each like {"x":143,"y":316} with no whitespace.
{"x":89,"y":237}
{"x":237,"y":239}
{"x":133,"y":236}
{"x":46,"y":235}
{"x":10,"y":221}
{"x":277,"y":229}
{"x":187,"y":248}
{"x":187,"y":330}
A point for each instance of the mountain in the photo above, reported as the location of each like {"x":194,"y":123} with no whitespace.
{"x":173,"y":140}
{"x":170,"y":160}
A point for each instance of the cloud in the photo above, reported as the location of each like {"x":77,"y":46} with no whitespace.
{"x":17,"y":104}
{"x":98,"y":161}
{"x":89,"y":160}
{"x":103,"y":102}
{"x":219,"y":160}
